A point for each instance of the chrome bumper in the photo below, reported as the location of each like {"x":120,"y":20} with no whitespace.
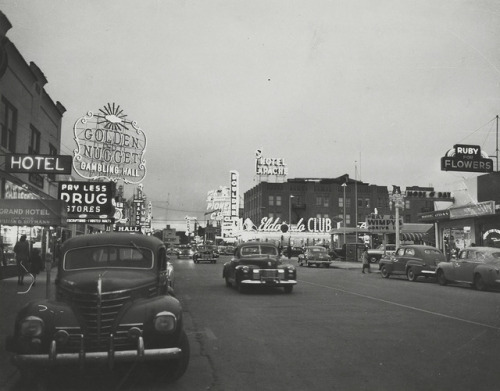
{"x":275,"y":282}
{"x":83,"y":358}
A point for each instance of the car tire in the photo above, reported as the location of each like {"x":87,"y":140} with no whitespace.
{"x":410,"y":274}
{"x":479,"y":283}
{"x":288,"y":288}
{"x":441,"y":279}
{"x":384,"y":272}
{"x":172,"y":370}
{"x":308,"y":264}
{"x":242,"y":288}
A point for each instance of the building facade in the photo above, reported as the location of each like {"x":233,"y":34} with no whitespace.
{"x":30,"y":123}
{"x":339,"y":199}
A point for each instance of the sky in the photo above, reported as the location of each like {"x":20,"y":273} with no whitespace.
{"x":379,"y":90}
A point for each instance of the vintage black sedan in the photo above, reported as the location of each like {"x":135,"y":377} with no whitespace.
{"x":258,"y":264}
{"x":205,"y":254}
{"x":477,"y":266}
{"x":413,"y":261}
{"x":315,"y":256}
{"x":113,"y":307}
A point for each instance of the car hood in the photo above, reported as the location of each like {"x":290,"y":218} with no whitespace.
{"x":111,"y":280}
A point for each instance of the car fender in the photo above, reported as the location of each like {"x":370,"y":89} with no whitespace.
{"x":53,"y":314}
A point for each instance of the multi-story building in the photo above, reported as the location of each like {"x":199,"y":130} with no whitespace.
{"x":30,"y":123}
{"x":339,"y":199}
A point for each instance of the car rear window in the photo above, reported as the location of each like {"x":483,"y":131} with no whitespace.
{"x":108,"y":256}
{"x":258,"y":250}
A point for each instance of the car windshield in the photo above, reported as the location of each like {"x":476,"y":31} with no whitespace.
{"x":249,"y":251}
{"x":108,"y":256}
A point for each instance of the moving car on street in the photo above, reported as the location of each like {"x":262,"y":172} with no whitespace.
{"x":185,"y":252}
{"x":375,"y":254}
{"x":477,"y":266}
{"x":113,"y":307}
{"x":413,"y":261}
{"x":258,"y":264}
{"x":205,"y":254}
{"x":315,"y":256}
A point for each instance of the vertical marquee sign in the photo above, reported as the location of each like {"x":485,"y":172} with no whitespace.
{"x":110,"y":146}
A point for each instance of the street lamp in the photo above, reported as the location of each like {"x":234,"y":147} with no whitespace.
{"x":290,"y":226}
{"x":290,"y":211}
{"x":397,"y":198}
{"x":344,"y":185}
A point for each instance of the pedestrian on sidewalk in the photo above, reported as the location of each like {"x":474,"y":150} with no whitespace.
{"x":365,"y":260}
{"x":22,"y":250}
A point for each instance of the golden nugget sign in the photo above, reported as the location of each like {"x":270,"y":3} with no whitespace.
{"x":269,"y":166}
{"x":109,"y":146}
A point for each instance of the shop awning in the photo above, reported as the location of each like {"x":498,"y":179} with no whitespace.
{"x":414,"y":236}
{"x":417,"y":232}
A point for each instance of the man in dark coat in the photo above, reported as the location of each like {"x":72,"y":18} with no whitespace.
{"x":22,"y":250}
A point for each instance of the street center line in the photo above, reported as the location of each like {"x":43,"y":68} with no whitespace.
{"x":404,"y":306}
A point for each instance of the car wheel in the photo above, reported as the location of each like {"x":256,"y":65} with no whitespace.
{"x":411,"y":275}
{"x":373,"y":259}
{"x":479,"y":283}
{"x":308,"y":264}
{"x":173,"y":370}
{"x":441,"y":278}
{"x":288,"y":288}
{"x":384,"y":272}
{"x":242,"y":288}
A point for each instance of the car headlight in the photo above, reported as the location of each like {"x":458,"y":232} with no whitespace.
{"x":32,"y":326}
{"x":165,"y":322}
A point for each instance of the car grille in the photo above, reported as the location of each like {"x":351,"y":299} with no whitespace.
{"x":268,"y":273}
{"x":99,"y":315}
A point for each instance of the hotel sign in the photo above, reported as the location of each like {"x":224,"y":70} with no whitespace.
{"x":269,"y":166}
{"x":110,"y":147}
{"x":466,"y":158}
{"x":41,"y":164}
{"x":32,"y":212}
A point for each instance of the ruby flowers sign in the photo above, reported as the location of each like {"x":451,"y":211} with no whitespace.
{"x":110,"y":146}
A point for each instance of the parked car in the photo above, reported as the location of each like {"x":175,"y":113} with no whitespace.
{"x":315,"y":256}
{"x":477,"y":266}
{"x":413,"y":261}
{"x":185,"y":252}
{"x":258,"y":264}
{"x":294,"y":251}
{"x":205,"y":254}
{"x":375,"y":254}
{"x":113,"y":307}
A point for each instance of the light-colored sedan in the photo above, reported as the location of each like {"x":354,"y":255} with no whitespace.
{"x":477,"y":266}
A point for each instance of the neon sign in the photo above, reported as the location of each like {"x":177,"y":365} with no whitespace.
{"x":109,"y":146}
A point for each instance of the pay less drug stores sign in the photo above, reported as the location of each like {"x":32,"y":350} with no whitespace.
{"x":88,"y":202}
